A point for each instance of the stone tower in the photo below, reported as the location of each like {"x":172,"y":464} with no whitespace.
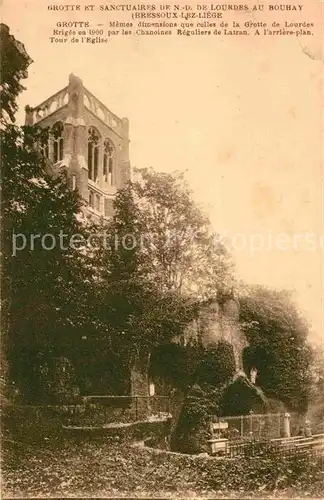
{"x":87,"y":140}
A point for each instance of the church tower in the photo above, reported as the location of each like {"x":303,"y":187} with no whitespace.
{"x":89,"y":141}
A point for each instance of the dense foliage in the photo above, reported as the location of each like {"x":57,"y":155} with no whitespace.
{"x":48,"y":296}
{"x":139,"y":314}
{"x":175,"y":364}
{"x":278,"y":349}
{"x":217,"y":365}
{"x":184,"y":252}
{"x":316,"y":408}
{"x":14,"y":65}
{"x":214,"y":370}
{"x":192,"y":431}
{"x":161,"y":261}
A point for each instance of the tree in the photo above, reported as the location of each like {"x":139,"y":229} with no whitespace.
{"x":14,"y":64}
{"x":49,"y":293}
{"x":316,"y":407}
{"x":138,"y":315}
{"x":278,"y":349}
{"x":184,"y":252}
{"x":161,"y":261}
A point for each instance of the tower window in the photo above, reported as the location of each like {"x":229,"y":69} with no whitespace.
{"x":94,"y":200}
{"x":45,"y":149}
{"x":93,"y":153}
{"x":57,"y":141}
{"x":74,"y":182}
{"x":108,"y":162}
{"x":91,"y":199}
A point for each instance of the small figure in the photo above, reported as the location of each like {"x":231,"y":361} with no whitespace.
{"x":235,"y":434}
{"x":308,"y":430}
{"x":253,"y":375}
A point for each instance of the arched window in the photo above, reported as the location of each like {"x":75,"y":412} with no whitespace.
{"x":74,"y":182}
{"x":45,"y":149}
{"x":108,"y":162}
{"x":57,"y":141}
{"x":93,"y":153}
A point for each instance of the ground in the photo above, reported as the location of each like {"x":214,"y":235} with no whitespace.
{"x":111,"y":467}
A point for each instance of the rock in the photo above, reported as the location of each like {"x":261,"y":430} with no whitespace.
{"x":241,"y":396}
{"x":192,"y":431}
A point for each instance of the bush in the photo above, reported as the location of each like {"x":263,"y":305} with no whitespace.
{"x":217,"y":365}
{"x":175,"y":364}
{"x":33,"y":424}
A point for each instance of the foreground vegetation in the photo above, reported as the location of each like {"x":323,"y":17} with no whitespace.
{"x":113,"y":468}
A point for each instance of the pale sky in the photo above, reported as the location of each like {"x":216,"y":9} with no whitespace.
{"x":241,"y":115}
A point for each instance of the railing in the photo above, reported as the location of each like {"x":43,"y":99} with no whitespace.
{"x":101,"y":111}
{"x":262,"y":434}
{"x":51,"y":104}
{"x":298,"y":444}
{"x":284,"y":447}
{"x":101,"y":410}
{"x":256,"y":426}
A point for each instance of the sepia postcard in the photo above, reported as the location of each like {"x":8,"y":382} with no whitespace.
{"x":162,"y":242}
